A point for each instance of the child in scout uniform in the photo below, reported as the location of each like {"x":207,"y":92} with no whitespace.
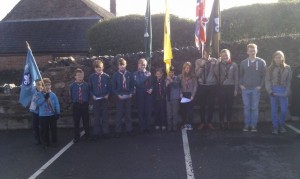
{"x":278,"y":85}
{"x":228,"y":87}
{"x":143,"y":89}
{"x":100,"y":88}
{"x":188,"y":84}
{"x":159,"y":96}
{"x":173,"y":97}
{"x":123,"y":88}
{"x":49,"y":112}
{"x":79,"y":93}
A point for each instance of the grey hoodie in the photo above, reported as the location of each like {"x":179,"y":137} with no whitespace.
{"x":252,"y":74}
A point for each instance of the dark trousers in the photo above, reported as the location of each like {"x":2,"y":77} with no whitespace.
{"x":48,"y":122}
{"x":100,"y":112}
{"x":186,"y":109}
{"x":226,"y":97}
{"x":81,"y":111}
{"x":207,"y":95}
{"x":144,"y":107}
{"x":36,"y":127}
{"x":160,"y":113}
{"x":123,"y":107}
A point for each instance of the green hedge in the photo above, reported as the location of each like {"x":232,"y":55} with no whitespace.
{"x":260,"y":20}
{"x":126,"y":34}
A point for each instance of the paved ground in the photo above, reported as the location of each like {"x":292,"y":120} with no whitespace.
{"x":160,"y":155}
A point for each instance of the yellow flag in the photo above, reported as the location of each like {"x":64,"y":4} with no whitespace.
{"x":168,"y":56}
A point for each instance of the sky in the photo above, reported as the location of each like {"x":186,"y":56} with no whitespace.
{"x":182,"y":8}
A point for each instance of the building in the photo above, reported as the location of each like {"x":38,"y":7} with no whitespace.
{"x":53,"y":28}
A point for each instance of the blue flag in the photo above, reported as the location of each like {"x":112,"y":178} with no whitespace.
{"x":30,"y":75}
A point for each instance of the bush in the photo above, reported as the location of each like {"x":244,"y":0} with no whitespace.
{"x":260,"y":20}
{"x":126,"y":34}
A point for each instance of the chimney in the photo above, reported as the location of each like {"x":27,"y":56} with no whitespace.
{"x":113,"y":7}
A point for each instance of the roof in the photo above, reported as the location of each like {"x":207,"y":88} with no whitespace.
{"x":37,"y":9}
{"x":46,"y":36}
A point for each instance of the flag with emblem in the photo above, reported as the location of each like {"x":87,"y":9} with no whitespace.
{"x":168,"y":55}
{"x":200,"y":25}
{"x":30,"y":75}
{"x":213,"y":29}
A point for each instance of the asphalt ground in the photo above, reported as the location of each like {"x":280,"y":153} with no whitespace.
{"x":217,"y":154}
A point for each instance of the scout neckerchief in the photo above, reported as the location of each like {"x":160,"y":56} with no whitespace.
{"x":228,"y":65}
{"x":80,"y":98}
{"x":186,"y":81}
{"x":279,"y":74}
{"x":99,"y":82}
{"x":123,"y":79}
{"x":49,"y":104}
{"x":159,"y":86}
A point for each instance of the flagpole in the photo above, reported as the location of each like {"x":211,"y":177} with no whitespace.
{"x":28,"y":47}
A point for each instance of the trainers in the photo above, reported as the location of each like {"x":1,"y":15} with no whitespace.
{"x":282,"y":130}
{"x":210,"y":126}
{"x":201,"y":126}
{"x":157,"y":127}
{"x":253,"y":129}
{"x":246,"y":129}
{"x":163,"y":128}
{"x":275,"y":131}
{"x":190,"y":127}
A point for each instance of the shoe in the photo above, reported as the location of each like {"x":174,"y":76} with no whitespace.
{"x":275,"y":131}
{"x":253,"y":129}
{"x":130,"y":133}
{"x":246,"y":129}
{"x":222,"y":126}
{"x":210,"y":126}
{"x":95,"y":137}
{"x":201,"y":126}
{"x":105,"y":136}
{"x":163,"y":128}
{"x":227,"y":125}
{"x":118,"y":135}
{"x":282,"y":129}
{"x":189,"y":127}
{"x":54,"y":144}
{"x":157,"y":127}
{"x":75,"y":140}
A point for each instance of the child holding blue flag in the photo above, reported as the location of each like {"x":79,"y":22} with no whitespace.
{"x":49,"y":112}
{"x":35,"y":112}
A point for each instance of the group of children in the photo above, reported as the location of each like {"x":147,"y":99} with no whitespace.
{"x":212,"y":80}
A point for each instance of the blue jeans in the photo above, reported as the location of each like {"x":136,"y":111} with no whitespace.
{"x":251,"y":101}
{"x":278,"y":99}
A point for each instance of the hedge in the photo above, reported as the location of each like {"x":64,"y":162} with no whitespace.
{"x":126,"y":34}
{"x":259,"y":20}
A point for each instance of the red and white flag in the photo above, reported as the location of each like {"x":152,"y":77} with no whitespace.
{"x":201,"y":21}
